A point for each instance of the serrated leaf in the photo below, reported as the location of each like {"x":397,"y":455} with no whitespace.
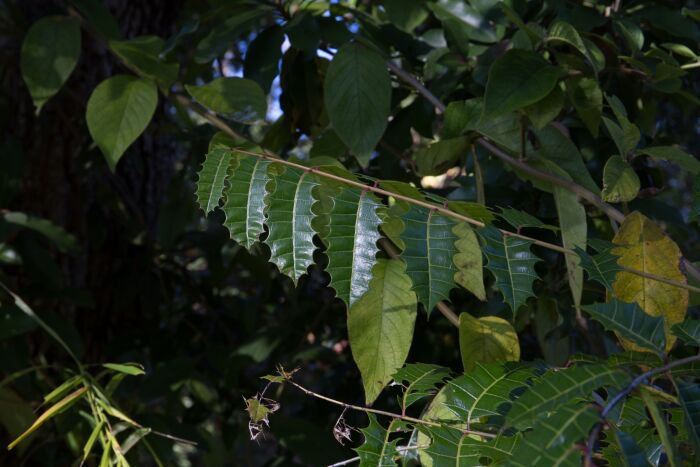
{"x":521,"y":219}
{"x":377,"y":450}
{"x":675,"y":155}
{"x":429,"y":249}
{"x":630,"y":322}
{"x":352,"y":242}
{"x":50,"y":51}
{"x":239,"y":99}
{"x":559,"y":387}
{"x":288,"y":215}
{"x":118,"y":111}
{"x":468,"y":260}
{"x":245,"y":199}
{"x":420,"y":380}
{"x":551,"y":441}
{"x":357,"y":93}
{"x":620,"y":182}
{"x":380,"y":326}
{"x":486,"y":339}
{"x":601,"y":267}
{"x":688,"y":331}
{"x":512,"y":263}
{"x":645,"y":247}
{"x":212,"y":178}
{"x":516,"y":79}
{"x":487,"y":391}
{"x":451,"y":448}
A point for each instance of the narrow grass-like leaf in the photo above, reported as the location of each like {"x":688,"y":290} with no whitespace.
{"x":512,"y":263}
{"x":629,"y":321}
{"x":212,"y":176}
{"x":288,"y":217}
{"x":63,"y":389}
{"x":245,"y":200}
{"x":688,"y":331}
{"x":87,"y":448}
{"x":419,"y":380}
{"x":133,"y":369}
{"x":559,"y":387}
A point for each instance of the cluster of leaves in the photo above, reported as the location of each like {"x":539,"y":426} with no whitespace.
{"x":540,"y":105}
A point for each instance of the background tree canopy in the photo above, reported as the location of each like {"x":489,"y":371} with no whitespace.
{"x":399,"y":232}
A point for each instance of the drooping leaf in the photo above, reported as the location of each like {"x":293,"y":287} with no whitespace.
{"x":357,"y":93}
{"x":662,"y":427}
{"x":262,"y":58}
{"x":50,"y":51}
{"x":63,"y":240}
{"x":486,"y":339}
{"x":630,"y":322}
{"x":643,"y":246}
{"x":380,"y":326}
{"x":420,"y":380}
{"x":675,"y":155}
{"x":512,"y":263}
{"x":239,"y":99}
{"x":143,"y":54}
{"x":245,"y":200}
{"x":587,"y":98}
{"x":551,"y":441}
{"x":118,"y":111}
{"x":429,"y":248}
{"x":288,"y":215}
{"x":688,"y":331}
{"x":451,"y":448}
{"x":552,"y":336}
{"x":352,"y":242}
{"x":377,"y":450}
{"x":631,"y":453}
{"x":559,"y":387}
{"x":620,"y":182}
{"x":601,"y":267}
{"x":517,"y":79}
{"x":487,"y":390}
{"x":470,"y":272}
{"x":212,"y":178}
{"x":689,"y":400}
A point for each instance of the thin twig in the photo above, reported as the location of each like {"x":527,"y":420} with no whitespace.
{"x":619,"y":397}
{"x":288,"y":378}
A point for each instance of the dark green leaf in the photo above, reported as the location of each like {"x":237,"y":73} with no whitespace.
{"x":587,"y":98}
{"x":377,"y":450}
{"x":420,"y":380}
{"x":212,"y":178}
{"x":63,"y":240}
{"x":688,"y":331}
{"x":143,"y":55}
{"x":237,"y":98}
{"x":601,"y":267}
{"x":675,"y":155}
{"x":441,"y":155}
{"x":620,"y":182}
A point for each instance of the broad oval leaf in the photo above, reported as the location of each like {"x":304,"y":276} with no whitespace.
{"x":643,"y":246}
{"x":486,"y":339}
{"x":118,"y":111}
{"x":212,"y":178}
{"x":142,"y":54}
{"x":620,"y":182}
{"x":239,"y":99}
{"x":357,"y":93}
{"x":441,"y":156}
{"x":517,"y":79}
{"x":50,"y":51}
{"x":380,"y":326}
{"x":688,"y":331}
{"x":587,"y":99}
{"x":469,"y":260}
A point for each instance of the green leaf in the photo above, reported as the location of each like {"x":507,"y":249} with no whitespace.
{"x":470,"y":272}
{"x":441,"y":155}
{"x":405,"y":14}
{"x":601,"y":267}
{"x":87,"y":448}
{"x":630,"y":322}
{"x":429,"y":250}
{"x":262,"y":58}
{"x":460,"y":116}
{"x":357,"y":93}
{"x":486,"y":339}
{"x":450,"y":447}
{"x":212,"y":178}
{"x":239,"y":99}
{"x":587,"y":99}
{"x":521,"y":219}
{"x":694,"y":215}
{"x":689,"y":400}
{"x":245,"y":200}
{"x":50,"y":51}
{"x":552,"y":439}
{"x":377,"y":450}
{"x":63,"y":389}
{"x":133,"y":369}
{"x":380,"y":326}
{"x":98,"y":16}
{"x":118,"y":111}
{"x":419,"y":380}
{"x":512,"y":264}
{"x":662,"y":427}
{"x":559,"y":387}
{"x":473,"y":19}
{"x":562,"y":32}
{"x":630,"y":452}
{"x":541,"y":113}
{"x":487,"y":390}
{"x":288,"y":217}
{"x":688,"y":331}
{"x":352,"y":242}
{"x":620,"y":182}
{"x":675,"y":155}
{"x":517,"y":79}
{"x":63,"y":240}
{"x":625,"y":135}
{"x":631,"y":33}
{"x":142,"y":54}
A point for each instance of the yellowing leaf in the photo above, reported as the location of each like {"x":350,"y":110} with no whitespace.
{"x":470,"y":271}
{"x":486,"y":339}
{"x":645,"y":247}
